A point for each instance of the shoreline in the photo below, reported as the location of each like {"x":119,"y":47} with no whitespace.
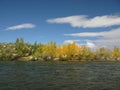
{"x":60,"y":61}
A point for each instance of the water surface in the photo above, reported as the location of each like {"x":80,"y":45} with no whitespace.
{"x":59,"y":75}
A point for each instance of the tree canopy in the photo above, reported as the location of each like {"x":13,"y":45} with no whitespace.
{"x":52,"y":51}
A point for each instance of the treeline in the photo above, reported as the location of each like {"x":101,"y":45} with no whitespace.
{"x":23,"y":51}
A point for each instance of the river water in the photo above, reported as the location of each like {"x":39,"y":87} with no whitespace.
{"x":59,"y":75}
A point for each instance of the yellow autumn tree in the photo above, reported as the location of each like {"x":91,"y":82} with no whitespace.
{"x":83,"y":52}
{"x":61,"y":52}
{"x":116,"y":53}
{"x":49,"y":50}
{"x":89,"y":55}
{"x":72,"y":51}
{"x":68,"y":51}
{"x":37,"y":50}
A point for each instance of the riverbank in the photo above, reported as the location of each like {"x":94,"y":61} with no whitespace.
{"x":27,"y":59}
{"x":22,"y":51}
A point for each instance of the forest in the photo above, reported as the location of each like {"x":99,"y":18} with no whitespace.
{"x":22,"y":51}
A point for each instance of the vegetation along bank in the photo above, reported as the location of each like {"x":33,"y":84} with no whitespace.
{"x":22,"y":51}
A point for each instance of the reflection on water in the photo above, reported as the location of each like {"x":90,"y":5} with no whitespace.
{"x":59,"y":76}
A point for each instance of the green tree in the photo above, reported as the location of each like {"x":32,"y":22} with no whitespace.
{"x":23,"y":49}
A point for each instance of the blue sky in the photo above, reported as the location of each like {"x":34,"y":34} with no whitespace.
{"x":84,"y":21}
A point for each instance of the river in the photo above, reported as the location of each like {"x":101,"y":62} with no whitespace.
{"x":59,"y":75}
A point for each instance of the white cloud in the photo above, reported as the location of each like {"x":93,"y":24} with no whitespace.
{"x":108,"y":39}
{"x":86,"y":34}
{"x":21,"y":26}
{"x":90,"y":45}
{"x":107,"y":43}
{"x":71,"y":41}
{"x":114,"y":33}
{"x":85,"y":22}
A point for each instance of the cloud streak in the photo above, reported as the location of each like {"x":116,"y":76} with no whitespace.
{"x":113,"y":34}
{"x":85,"y":22}
{"x":71,"y":41}
{"x":21,"y":26}
{"x":108,"y":39}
